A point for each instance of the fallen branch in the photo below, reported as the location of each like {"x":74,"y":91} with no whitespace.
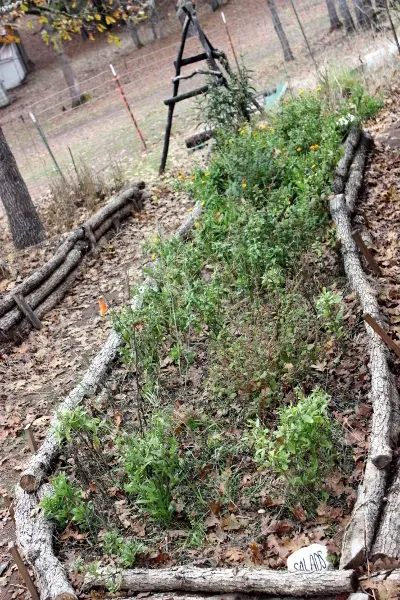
{"x":387,"y":541}
{"x":186,"y":596}
{"x":344,"y":163}
{"x":356,"y":173}
{"x":131,"y":194}
{"x":35,"y":539}
{"x":241,"y":580}
{"x":40,"y":463}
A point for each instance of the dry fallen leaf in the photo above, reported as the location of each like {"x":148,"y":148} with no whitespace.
{"x":103,"y":308}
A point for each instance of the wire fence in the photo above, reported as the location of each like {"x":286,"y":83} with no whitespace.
{"x":101,"y":132}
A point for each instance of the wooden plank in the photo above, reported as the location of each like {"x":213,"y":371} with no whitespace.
{"x":30,"y":439}
{"x":186,"y":95}
{"x":27,"y":311}
{"x":367,"y":254}
{"x":23,"y":571}
{"x":382,"y":334}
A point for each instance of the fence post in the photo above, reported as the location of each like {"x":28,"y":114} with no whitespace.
{"x":128,"y":108}
{"x":46,"y":143}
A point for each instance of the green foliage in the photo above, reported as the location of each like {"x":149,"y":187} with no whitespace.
{"x":301,"y":446}
{"x":330,"y":312}
{"x":65,"y":504}
{"x":76,"y":420}
{"x":227,"y":106}
{"x":123,"y":551}
{"x":152,"y":465}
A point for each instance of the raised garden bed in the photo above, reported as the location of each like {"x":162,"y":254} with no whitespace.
{"x":235,"y":427}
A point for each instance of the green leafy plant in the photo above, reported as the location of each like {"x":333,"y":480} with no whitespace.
{"x":124,"y":551}
{"x":301,"y":447}
{"x":227,"y":106}
{"x":65,"y":504}
{"x":330,"y":311}
{"x":153,"y":468}
{"x":76,"y":420}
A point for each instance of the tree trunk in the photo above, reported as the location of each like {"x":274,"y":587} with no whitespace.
{"x":25,"y":225}
{"x":280,"y":32}
{"x":346,"y":16}
{"x":356,"y":172}
{"x":244,"y":579}
{"x":343,"y":166}
{"x":69,"y":75}
{"x":333,"y":16}
{"x":135,"y":35}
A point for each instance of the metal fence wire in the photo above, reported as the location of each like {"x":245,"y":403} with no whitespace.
{"x":101,"y":133}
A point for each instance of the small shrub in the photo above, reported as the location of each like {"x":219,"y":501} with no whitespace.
{"x":74,"y":421}
{"x":301,"y":447}
{"x":330,"y":312}
{"x":153,"y":468}
{"x":66,"y":505}
{"x":124,"y":551}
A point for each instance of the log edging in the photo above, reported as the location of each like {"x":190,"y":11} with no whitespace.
{"x":360,"y":532}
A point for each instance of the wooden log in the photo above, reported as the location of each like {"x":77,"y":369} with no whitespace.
{"x":39,"y":465}
{"x":387,"y":541}
{"x":381,"y":450}
{"x":35,"y":539}
{"x":356,"y":173}
{"x":199,"y":138}
{"x":344,"y":163}
{"x":186,"y":596}
{"x":130,"y":194}
{"x":109,"y":223}
{"x":20,"y":331}
{"x":186,"y":95}
{"x":239,"y":580}
{"x":34,"y":280}
{"x":383,"y":584}
{"x":14,"y":316}
{"x":27,"y":311}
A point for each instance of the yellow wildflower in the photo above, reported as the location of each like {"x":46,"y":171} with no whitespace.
{"x":313,"y":166}
{"x":192,"y":178}
{"x":197,"y":224}
{"x":262,"y":126}
{"x":203,"y":203}
{"x":207,"y":174}
{"x":318,"y":89}
{"x":244,"y":185}
{"x":314,"y":147}
{"x":255,"y":134}
{"x":301,"y":92}
{"x":203,"y":181}
{"x":155,"y":240}
{"x":181,"y":177}
{"x":299,"y":149}
{"x":153,"y":256}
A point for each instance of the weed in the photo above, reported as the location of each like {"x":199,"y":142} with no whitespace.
{"x":330,"y":311}
{"x":76,"y":420}
{"x":124,"y":551}
{"x":301,"y":447}
{"x":152,"y":466}
{"x":65,"y":504}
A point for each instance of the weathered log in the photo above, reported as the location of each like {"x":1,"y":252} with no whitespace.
{"x":356,"y":173}
{"x":387,"y":541}
{"x":344,"y":163}
{"x":198,"y":138}
{"x":35,"y":540}
{"x":36,"y":297}
{"x":381,"y":450}
{"x":39,"y":464}
{"x":109,"y":223}
{"x":34,"y":280}
{"x":20,"y":331}
{"x":359,"y":533}
{"x":183,"y":596}
{"x":130,"y":194}
{"x":241,"y":580}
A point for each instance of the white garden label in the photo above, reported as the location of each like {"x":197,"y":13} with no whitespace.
{"x":310,"y":558}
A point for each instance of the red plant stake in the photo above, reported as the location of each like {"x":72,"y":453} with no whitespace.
{"x":128,"y":108}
